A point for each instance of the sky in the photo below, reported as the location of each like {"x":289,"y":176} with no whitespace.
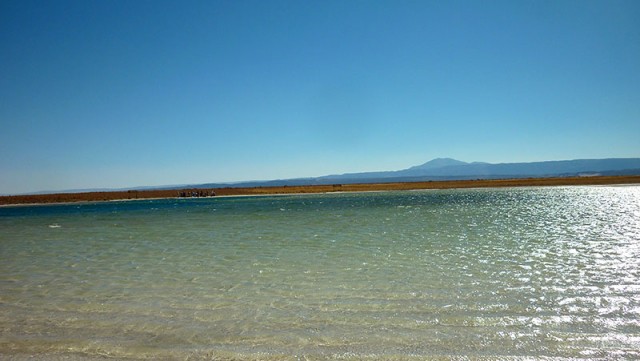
{"x":117,"y":94}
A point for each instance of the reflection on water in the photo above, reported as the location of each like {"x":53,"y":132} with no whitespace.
{"x":534,"y":272}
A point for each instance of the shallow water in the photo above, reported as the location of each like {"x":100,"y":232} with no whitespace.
{"x":488,"y":274}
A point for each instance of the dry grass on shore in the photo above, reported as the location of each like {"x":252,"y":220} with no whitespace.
{"x":229,"y":191}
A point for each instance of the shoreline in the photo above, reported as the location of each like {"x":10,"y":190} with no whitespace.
{"x":72,"y":198}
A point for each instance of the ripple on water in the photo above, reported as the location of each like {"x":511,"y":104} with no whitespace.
{"x":529,"y":272}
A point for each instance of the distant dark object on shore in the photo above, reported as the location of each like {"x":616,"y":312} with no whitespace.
{"x":196,"y":193}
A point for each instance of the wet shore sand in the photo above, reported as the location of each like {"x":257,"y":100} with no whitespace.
{"x":362,"y":187}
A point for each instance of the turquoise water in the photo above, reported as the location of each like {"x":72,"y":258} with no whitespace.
{"x":487,"y":274}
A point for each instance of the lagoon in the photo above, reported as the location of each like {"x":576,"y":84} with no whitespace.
{"x":440,"y":274}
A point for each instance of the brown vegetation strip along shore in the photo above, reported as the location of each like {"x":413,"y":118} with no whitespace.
{"x":230,"y":191}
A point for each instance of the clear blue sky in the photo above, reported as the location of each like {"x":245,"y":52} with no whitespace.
{"x":130,"y":93}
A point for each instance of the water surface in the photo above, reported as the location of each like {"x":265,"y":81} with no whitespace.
{"x":487,"y":274}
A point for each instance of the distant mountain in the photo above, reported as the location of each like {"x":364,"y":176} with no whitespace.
{"x":452,"y":169}
{"x":439,"y":163}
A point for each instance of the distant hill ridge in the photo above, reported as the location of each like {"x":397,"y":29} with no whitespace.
{"x":444,"y":169}
{"x":447,"y":168}
{"x":452,"y":169}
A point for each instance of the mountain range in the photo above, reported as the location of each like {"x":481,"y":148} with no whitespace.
{"x":438,"y":169}
{"x":452,"y":169}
